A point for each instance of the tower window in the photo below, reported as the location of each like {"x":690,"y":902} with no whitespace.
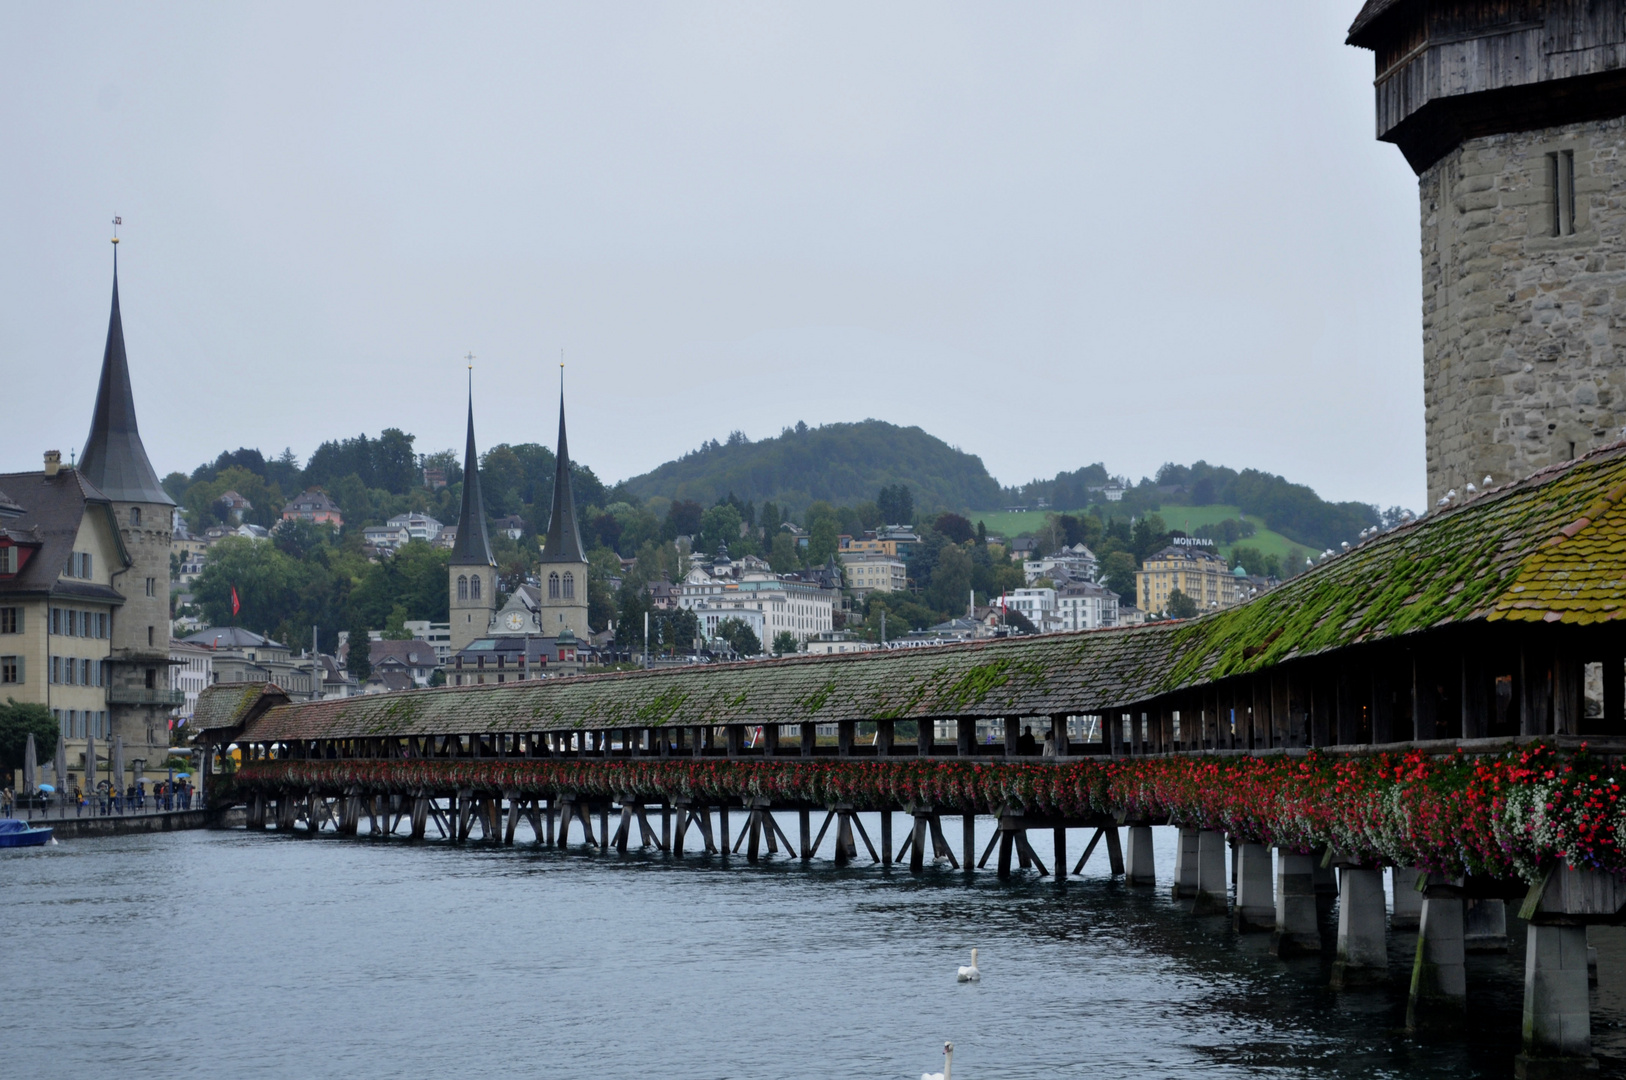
{"x":135,"y":517}
{"x":462,"y":586}
{"x":570,"y":586}
{"x":553,"y":586}
{"x":474,"y":586}
{"x":1561,"y":183}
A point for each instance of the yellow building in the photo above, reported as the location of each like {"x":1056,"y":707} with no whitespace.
{"x":60,"y":549}
{"x":1194,"y":569}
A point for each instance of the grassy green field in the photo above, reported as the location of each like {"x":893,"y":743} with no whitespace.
{"x":1185,"y":518}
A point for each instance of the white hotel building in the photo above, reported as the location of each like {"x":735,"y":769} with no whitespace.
{"x":765,"y":602}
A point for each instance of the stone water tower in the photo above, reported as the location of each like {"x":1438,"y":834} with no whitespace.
{"x":1513,"y":115}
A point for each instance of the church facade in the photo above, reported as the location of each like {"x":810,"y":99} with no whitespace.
{"x":553,"y":612}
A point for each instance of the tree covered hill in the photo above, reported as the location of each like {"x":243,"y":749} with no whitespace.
{"x":834,"y":463}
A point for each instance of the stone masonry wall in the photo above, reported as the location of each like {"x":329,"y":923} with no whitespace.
{"x":144,"y":727}
{"x":1524,"y":332}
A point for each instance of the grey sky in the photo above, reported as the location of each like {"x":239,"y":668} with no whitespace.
{"x":1049,"y":234}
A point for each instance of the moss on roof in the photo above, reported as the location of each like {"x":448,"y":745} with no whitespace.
{"x":1551,"y":547}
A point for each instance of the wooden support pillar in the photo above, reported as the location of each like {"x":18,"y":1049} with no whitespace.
{"x":884,"y":730}
{"x":770,"y":740}
{"x":968,"y":842}
{"x":604,"y":826}
{"x":734,"y":736}
{"x":513,"y":816}
{"x":1013,"y":732}
{"x":965,"y":736}
{"x":420,"y":815}
{"x":886,"y":837}
{"x":722,"y":829}
{"x":804,"y":827}
{"x":1476,"y":688}
{"x":1383,"y":710}
{"x":1115,"y":851}
{"x":1569,"y":692}
{"x":810,"y":739}
{"x":917,"y":850}
{"x":925,"y":736}
{"x":844,"y":738}
{"x":1535,"y":679}
{"x":1058,"y":842}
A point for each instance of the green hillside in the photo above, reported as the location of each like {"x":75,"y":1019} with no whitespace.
{"x":843,"y":464}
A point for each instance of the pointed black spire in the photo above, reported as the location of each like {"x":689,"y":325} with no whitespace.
{"x":114,"y":459}
{"x":564,"y":538}
{"x":473,"y":547}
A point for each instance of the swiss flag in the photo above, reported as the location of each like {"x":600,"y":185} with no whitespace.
{"x":235,"y":606}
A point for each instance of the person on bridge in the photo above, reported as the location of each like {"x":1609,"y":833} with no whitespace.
{"x":1025,"y":743}
{"x":1049,"y":744}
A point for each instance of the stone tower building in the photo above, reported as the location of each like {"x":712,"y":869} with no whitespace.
{"x":564,"y":566}
{"x":1513,"y":115}
{"x":139,"y":695}
{"x":472,"y":583}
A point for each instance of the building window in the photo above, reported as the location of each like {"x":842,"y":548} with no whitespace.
{"x":135,"y":517}
{"x":1561,"y":183}
{"x":474,"y":586}
{"x":149,"y":637}
{"x":11,"y":670}
{"x":11,"y":620}
{"x":152,"y":678}
{"x":8,"y":560}
{"x":152,"y":586}
{"x":570,"y":586}
{"x":462,"y":586}
{"x":553,"y":586}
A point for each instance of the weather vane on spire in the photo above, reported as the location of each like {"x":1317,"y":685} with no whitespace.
{"x":117,"y":221}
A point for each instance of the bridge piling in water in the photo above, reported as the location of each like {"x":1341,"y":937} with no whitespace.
{"x":1363,"y":915}
{"x":1297,"y":931}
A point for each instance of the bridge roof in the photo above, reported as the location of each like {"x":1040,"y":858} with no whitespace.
{"x":1549,"y":548}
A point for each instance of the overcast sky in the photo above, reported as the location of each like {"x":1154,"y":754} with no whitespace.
{"x":1048,"y":234}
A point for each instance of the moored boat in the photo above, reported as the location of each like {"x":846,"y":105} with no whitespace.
{"x":17,"y":833}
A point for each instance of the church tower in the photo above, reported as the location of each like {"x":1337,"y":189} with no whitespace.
{"x":139,"y":695}
{"x":564,"y":566}
{"x":472,"y":583}
{"x":1513,"y":116}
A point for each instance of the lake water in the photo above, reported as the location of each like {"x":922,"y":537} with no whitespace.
{"x":208,"y":954}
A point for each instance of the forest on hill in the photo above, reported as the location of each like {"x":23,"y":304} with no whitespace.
{"x":833,"y":463}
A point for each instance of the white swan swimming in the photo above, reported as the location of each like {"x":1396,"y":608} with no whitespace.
{"x":970,"y":974}
{"x":948,"y":1063}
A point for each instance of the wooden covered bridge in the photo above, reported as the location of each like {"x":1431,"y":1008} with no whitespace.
{"x":1479,"y":631}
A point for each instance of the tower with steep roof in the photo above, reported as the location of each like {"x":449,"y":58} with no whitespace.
{"x":139,"y":695}
{"x":1513,"y":116}
{"x":472,"y":576}
{"x":564,"y":562}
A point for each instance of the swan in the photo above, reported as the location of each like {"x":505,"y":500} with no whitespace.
{"x":970,"y":974}
{"x":948,"y":1062}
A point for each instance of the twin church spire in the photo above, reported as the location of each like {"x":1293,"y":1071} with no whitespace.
{"x":564,"y":541}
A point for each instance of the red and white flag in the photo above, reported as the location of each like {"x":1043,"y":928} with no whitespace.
{"x":235,"y":606}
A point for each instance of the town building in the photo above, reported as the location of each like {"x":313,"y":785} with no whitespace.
{"x":785,"y":604}
{"x":418,"y":526}
{"x":512,"y":526}
{"x":1076,"y":563}
{"x":384,"y":538}
{"x":1511,"y":115}
{"x":414,"y":660}
{"x":238,"y":655}
{"x":314,"y":506}
{"x":1038,"y":606}
{"x":868,"y":572}
{"x":515,"y":658}
{"x":830,"y":642}
{"x":1193,"y":568}
{"x":60,"y":554}
{"x":191,"y":669}
{"x":231,"y":507}
{"x":1085,"y":605}
{"x":437,"y":634}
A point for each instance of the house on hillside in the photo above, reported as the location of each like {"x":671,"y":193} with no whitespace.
{"x":313,"y":505}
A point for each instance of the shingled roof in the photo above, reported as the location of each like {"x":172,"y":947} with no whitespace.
{"x":1550,"y":548}
{"x":114,"y":460}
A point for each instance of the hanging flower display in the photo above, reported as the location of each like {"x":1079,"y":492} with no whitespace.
{"x":1505,"y":816}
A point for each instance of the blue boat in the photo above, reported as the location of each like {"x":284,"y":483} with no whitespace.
{"x":16,"y":833}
